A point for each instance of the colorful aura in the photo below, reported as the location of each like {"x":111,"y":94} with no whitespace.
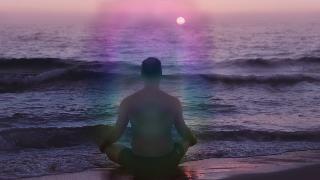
{"x":134,"y":31}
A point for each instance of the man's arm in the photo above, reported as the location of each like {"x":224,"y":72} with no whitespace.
{"x":181,"y":126}
{"x":118,"y":129}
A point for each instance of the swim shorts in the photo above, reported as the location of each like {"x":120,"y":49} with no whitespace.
{"x":139,"y":164}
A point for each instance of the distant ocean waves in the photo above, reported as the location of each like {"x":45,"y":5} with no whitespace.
{"x":23,"y":74}
{"x":45,"y":138}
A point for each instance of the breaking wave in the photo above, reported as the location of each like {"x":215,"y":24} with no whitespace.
{"x":21,"y":74}
{"x":66,"y":137}
{"x":270,"y":79}
{"x":271,"y":63}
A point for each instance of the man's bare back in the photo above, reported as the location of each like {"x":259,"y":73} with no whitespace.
{"x":152,"y":114}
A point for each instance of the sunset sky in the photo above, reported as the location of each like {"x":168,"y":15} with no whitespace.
{"x":211,"y":6}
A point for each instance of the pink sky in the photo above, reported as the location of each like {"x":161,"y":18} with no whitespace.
{"x":213,"y":6}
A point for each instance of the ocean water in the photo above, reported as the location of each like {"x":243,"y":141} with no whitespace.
{"x":248,"y":86}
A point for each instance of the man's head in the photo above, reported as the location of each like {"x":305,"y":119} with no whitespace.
{"x":151,"y":69}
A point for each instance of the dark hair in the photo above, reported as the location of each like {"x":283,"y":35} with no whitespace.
{"x":151,"y":68}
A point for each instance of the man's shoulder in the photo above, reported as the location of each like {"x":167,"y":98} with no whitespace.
{"x":127,"y":100}
{"x":171,"y":98}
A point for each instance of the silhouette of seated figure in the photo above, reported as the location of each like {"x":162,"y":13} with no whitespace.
{"x":152,"y":114}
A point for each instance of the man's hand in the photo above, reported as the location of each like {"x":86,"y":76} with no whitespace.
{"x":191,"y":138}
{"x":103,"y":147}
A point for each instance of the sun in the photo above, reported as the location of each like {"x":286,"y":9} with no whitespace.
{"x":181,"y":20}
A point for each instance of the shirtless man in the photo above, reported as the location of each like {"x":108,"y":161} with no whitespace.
{"x":152,"y":114}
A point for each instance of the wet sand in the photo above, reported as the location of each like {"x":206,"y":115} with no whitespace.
{"x":293,"y":165}
{"x":308,"y":173}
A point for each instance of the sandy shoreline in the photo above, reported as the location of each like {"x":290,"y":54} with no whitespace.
{"x":293,"y":165}
{"x":308,"y":172}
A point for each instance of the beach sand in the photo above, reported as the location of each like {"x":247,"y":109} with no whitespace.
{"x":293,"y":165}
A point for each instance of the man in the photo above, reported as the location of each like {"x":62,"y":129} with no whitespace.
{"x":152,"y":114}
